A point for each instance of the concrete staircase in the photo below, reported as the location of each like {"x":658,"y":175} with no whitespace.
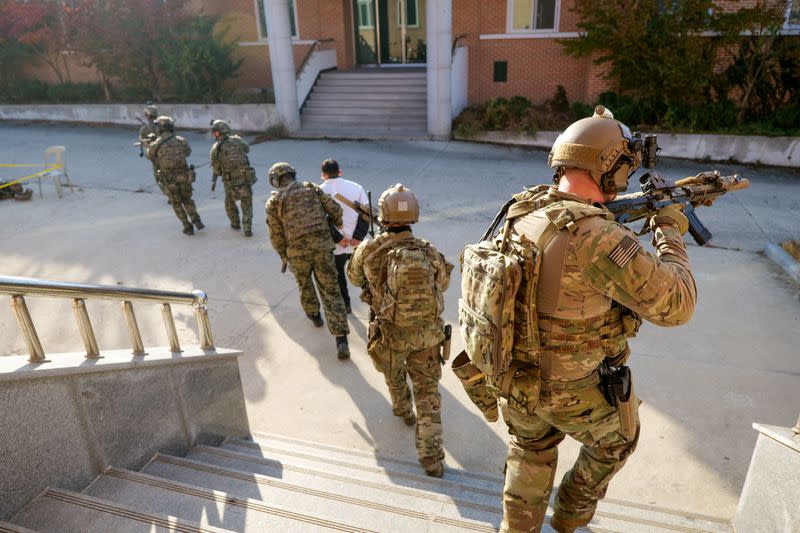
{"x":279,"y":484}
{"x":367,"y":103}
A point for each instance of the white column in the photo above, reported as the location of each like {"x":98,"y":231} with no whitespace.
{"x":439,"y":22}
{"x":279,"y":36}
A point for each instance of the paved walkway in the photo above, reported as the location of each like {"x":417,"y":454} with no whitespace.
{"x":702,"y":384}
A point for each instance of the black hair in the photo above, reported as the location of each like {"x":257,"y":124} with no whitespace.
{"x":330,"y":167}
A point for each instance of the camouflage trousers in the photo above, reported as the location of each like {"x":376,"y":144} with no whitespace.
{"x":577,"y":409}
{"x":425,"y":371}
{"x":323,"y":268}
{"x":180,"y":195}
{"x":243,"y":194}
{"x":160,"y":183}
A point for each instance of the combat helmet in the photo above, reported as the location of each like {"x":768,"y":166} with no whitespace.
{"x":221,"y":126}
{"x":398,"y":205}
{"x":280,"y":174}
{"x":603,"y":146}
{"x":150,"y":111}
{"x":165,"y":123}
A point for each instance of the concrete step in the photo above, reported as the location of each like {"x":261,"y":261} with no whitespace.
{"x":364,"y":121}
{"x":157,"y":495}
{"x":383,"y":92}
{"x":375,"y":75}
{"x":398,"y":84}
{"x":374,"y":505}
{"x":360,"y":134}
{"x":60,"y":511}
{"x":466,"y":489}
{"x":367,"y":99}
{"x":373,"y":109}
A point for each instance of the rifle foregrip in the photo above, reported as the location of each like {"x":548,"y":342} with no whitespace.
{"x":697,"y":229}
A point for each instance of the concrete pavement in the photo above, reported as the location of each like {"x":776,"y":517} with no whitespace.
{"x":702,"y":384}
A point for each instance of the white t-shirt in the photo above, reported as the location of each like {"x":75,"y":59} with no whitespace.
{"x":353,"y":192}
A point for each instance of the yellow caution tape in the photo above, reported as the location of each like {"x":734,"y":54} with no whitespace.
{"x":35,"y":175}
{"x":14,"y":165}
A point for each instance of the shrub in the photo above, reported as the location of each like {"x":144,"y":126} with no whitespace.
{"x":75,"y":92}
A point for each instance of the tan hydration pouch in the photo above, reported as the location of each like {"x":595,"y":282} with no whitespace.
{"x":474,"y":383}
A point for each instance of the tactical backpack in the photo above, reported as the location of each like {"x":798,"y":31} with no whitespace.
{"x":405,"y":291}
{"x":301,"y":210}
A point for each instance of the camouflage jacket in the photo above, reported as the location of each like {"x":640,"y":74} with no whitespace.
{"x":229,"y":156}
{"x":364,"y":259}
{"x":593,"y":274}
{"x":169,"y":152}
{"x":299,"y":218}
{"x":149,"y":128}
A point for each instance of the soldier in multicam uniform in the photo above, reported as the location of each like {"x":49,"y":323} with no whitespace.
{"x":229,"y":160}
{"x":168,"y":154}
{"x":403,"y":279}
{"x":147,"y":134}
{"x":595,"y":281}
{"x":302,"y":222}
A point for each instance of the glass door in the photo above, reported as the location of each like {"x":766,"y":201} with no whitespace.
{"x":389,"y":32}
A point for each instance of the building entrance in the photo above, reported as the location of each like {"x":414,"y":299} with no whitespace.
{"x":389,"y":32}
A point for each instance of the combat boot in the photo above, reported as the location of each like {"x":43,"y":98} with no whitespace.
{"x":188,"y":230}
{"x":342,"y":348}
{"x":199,"y":224}
{"x":236,"y":227}
{"x":248,"y":233}
{"x":409,"y":418}
{"x":316,"y":318}
{"x":435,"y":470}
{"x":561,"y":527}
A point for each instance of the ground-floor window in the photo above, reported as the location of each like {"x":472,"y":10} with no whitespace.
{"x":532,"y":15}
{"x":262,"y":18}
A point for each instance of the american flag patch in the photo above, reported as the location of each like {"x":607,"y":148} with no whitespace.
{"x":625,"y":251}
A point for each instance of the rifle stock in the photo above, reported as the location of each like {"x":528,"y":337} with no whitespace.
{"x":692,"y":192}
{"x":363,"y":211}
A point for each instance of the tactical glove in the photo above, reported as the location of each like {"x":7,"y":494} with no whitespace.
{"x":671,"y":214}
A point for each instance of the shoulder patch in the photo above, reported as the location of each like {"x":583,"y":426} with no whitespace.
{"x":624,"y":251}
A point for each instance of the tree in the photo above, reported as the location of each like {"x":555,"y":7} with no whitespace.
{"x":34,"y":29}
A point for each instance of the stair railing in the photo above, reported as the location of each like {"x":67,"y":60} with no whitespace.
{"x":316,"y":44}
{"x":18,"y":288}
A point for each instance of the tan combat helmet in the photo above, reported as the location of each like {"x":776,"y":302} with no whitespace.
{"x":165,"y":123}
{"x":221,"y":126}
{"x":150,"y":111}
{"x":398,"y":206}
{"x":603,"y":146}
{"x":280,"y":174}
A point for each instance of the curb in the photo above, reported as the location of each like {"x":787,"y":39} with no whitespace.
{"x":783,"y":260}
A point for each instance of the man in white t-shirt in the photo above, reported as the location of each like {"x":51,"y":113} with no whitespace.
{"x":355,"y":228}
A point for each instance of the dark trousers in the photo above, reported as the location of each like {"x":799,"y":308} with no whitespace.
{"x":341,"y":261}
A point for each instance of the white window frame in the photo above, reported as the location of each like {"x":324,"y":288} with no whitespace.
{"x":400,"y":17}
{"x":262,"y":35}
{"x":786,"y":24}
{"x":370,"y":10}
{"x":510,"y":19}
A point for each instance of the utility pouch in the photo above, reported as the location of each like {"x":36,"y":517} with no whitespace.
{"x":616,"y":384}
{"x":250,"y":175}
{"x":192,"y":174}
{"x":474,"y":383}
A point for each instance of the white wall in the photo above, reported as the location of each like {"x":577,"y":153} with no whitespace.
{"x":320,"y":60}
{"x":460,"y":84}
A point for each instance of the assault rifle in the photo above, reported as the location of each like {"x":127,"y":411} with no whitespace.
{"x":691,"y":192}
{"x":365,"y":212}
{"x":145,"y":142}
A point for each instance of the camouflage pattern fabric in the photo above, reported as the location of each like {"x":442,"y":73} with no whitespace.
{"x":180,"y":196}
{"x":168,"y":154}
{"x":309,"y":252}
{"x":397,"y":351}
{"x":283,"y":214}
{"x":602,"y":284}
{"x":229,"y":160}
{"x":244,"y":195}
{"x":148,"y":129}
{"x":323,"y":268}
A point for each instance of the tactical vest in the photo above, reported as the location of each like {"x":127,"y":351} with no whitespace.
{"x":228,"y":154}
{"x":301,"y":211}
{"x":170,"y":154}
{"x":402,"y":282}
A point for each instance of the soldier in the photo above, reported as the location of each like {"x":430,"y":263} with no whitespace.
{"x":403,"y":279}
{"x":299,"y":219}
{"x":147,"y":134}
{"x":229,"y":160}
{"x":355,"y":227}
{"x":168,"y":154}
{"x":594,"y":282}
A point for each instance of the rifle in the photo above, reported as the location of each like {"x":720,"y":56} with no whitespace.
{"x":145,"y":142}
{"x":691,"y":192}
{"x":214,"y":182}
{"x":444,"y":355}
{"x":365,"y":212}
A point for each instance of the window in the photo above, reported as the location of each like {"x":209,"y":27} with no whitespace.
{"x":365,"y":21}
{"x":412,"y":13}
{"x":792,"y":15}
{"x":262,"y":19}
{"x":533,"y":15}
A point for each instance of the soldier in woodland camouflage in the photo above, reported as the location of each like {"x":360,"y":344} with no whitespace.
{"x":595,"y":282}
{"x":302,"y":222}
{"x":403,"y":279}
{"x":229,"y":160}
{"x":147,"y":134}
{"x":168,"y":154}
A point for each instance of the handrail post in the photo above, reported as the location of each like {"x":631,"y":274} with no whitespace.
{"x":28,"y":329}
{"x":796,"y":427}
{"x":85,"y":327}
{"x":133,"y":328}
{"x":169,"y":324}
{"x":203,"y":323}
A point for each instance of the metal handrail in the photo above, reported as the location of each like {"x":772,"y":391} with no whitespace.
{"x":456,"y":41}
{"x":18,"y":288}
{"x":310,"y":52}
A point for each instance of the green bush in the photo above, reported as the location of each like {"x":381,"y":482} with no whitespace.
{"x":74,"y":92}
